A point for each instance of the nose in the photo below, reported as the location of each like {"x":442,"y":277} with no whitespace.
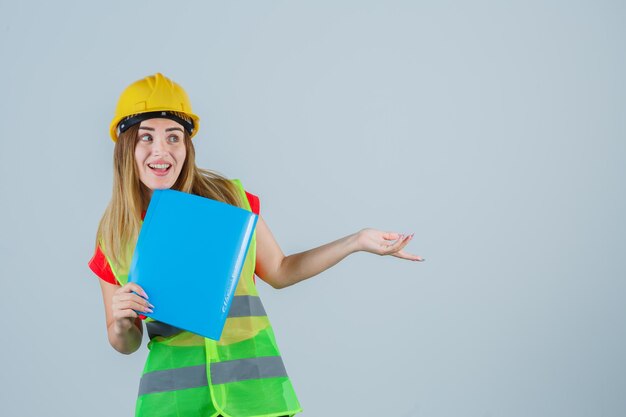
{"x":159,"y":146}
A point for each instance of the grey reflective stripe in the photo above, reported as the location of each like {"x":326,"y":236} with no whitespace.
{"x":242,"y":306}
{"x":157,"y":328}
{"x":245,"y":306}
{"x":173,"y":379}
{"x":243,"y":369}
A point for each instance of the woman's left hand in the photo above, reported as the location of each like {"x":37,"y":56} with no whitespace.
{"x":385,"y":243}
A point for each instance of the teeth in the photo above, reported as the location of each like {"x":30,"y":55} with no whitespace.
{"x":159,"y":166}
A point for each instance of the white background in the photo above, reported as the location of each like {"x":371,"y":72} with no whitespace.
{"x":495,"y":131}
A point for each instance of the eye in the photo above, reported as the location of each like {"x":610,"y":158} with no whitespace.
{"x":173,"y":139}
{"x":145,"y":137}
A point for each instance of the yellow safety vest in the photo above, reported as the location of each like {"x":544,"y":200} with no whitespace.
{"x":241,"y":375}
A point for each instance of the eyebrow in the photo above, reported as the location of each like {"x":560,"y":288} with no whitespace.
{"x":169,"y":129}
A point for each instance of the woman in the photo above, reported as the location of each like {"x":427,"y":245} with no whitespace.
{"x":185,"y":374}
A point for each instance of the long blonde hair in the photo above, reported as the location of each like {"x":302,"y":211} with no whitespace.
{"x":120,"y":224}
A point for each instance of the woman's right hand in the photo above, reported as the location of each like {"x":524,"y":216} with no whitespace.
{"x":125,"y":304}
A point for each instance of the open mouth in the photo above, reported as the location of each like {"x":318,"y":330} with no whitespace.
{"x":160,"y":169}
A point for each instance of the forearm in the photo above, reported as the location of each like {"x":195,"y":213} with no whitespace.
{"x":300,"y":266}
{"x":125,"y":336}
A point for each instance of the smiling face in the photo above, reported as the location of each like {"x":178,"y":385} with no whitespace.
{"x":160,"y":153}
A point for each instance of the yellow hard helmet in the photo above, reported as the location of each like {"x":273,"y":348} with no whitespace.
{"x":155,"y":96}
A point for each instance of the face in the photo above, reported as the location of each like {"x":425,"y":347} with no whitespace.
{"x":160,"y":153}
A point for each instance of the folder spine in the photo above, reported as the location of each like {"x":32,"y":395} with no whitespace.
{"x":246,"y":238}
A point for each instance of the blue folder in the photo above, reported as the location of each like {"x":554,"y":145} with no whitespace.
{"x":188,"y":259}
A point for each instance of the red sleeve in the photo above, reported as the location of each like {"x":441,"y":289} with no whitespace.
{"x":100,"y":266}
{"x":255,"y":205}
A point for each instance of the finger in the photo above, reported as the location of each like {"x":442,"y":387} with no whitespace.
{"x":408,"y":256}
{"x":133,"y":305}
{"x":398,"y":244}
{"x":131,"y":312}
{"x":391,"y":235}
{"x":386,"y":245}
{"x":132,"y":287}
{"x":132,"y":297}
{"x":405,"y":241}
{"x":405,"y":237}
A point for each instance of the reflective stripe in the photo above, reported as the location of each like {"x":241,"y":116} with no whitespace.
{"x":173,"y":379}
{"x":243,"y":369}
{"x":157,"y":328}
{"x":246,"y":306}
{"x":221,"y":373}
{"x":242,"y":306}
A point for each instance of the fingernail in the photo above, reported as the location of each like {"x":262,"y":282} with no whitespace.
{"x":148,"y":310}
{"x":150,"y":304}
{"x":145,"y":295}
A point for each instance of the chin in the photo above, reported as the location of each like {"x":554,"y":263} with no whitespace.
{"x":162,"y":186}
{"x":158,"y":185}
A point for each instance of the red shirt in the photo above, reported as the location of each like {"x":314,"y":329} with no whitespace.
{"x":100,"y":266}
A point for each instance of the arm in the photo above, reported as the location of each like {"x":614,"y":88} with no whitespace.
{"x":124,"y":327}
{"x":281,"y":271}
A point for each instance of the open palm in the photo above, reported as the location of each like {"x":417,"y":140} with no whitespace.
{"x":386,"y":243}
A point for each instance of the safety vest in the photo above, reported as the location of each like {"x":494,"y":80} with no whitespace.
{"x":241,"y":375}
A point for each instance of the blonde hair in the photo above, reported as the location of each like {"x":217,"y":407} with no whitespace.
{"x":120,"y":224}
